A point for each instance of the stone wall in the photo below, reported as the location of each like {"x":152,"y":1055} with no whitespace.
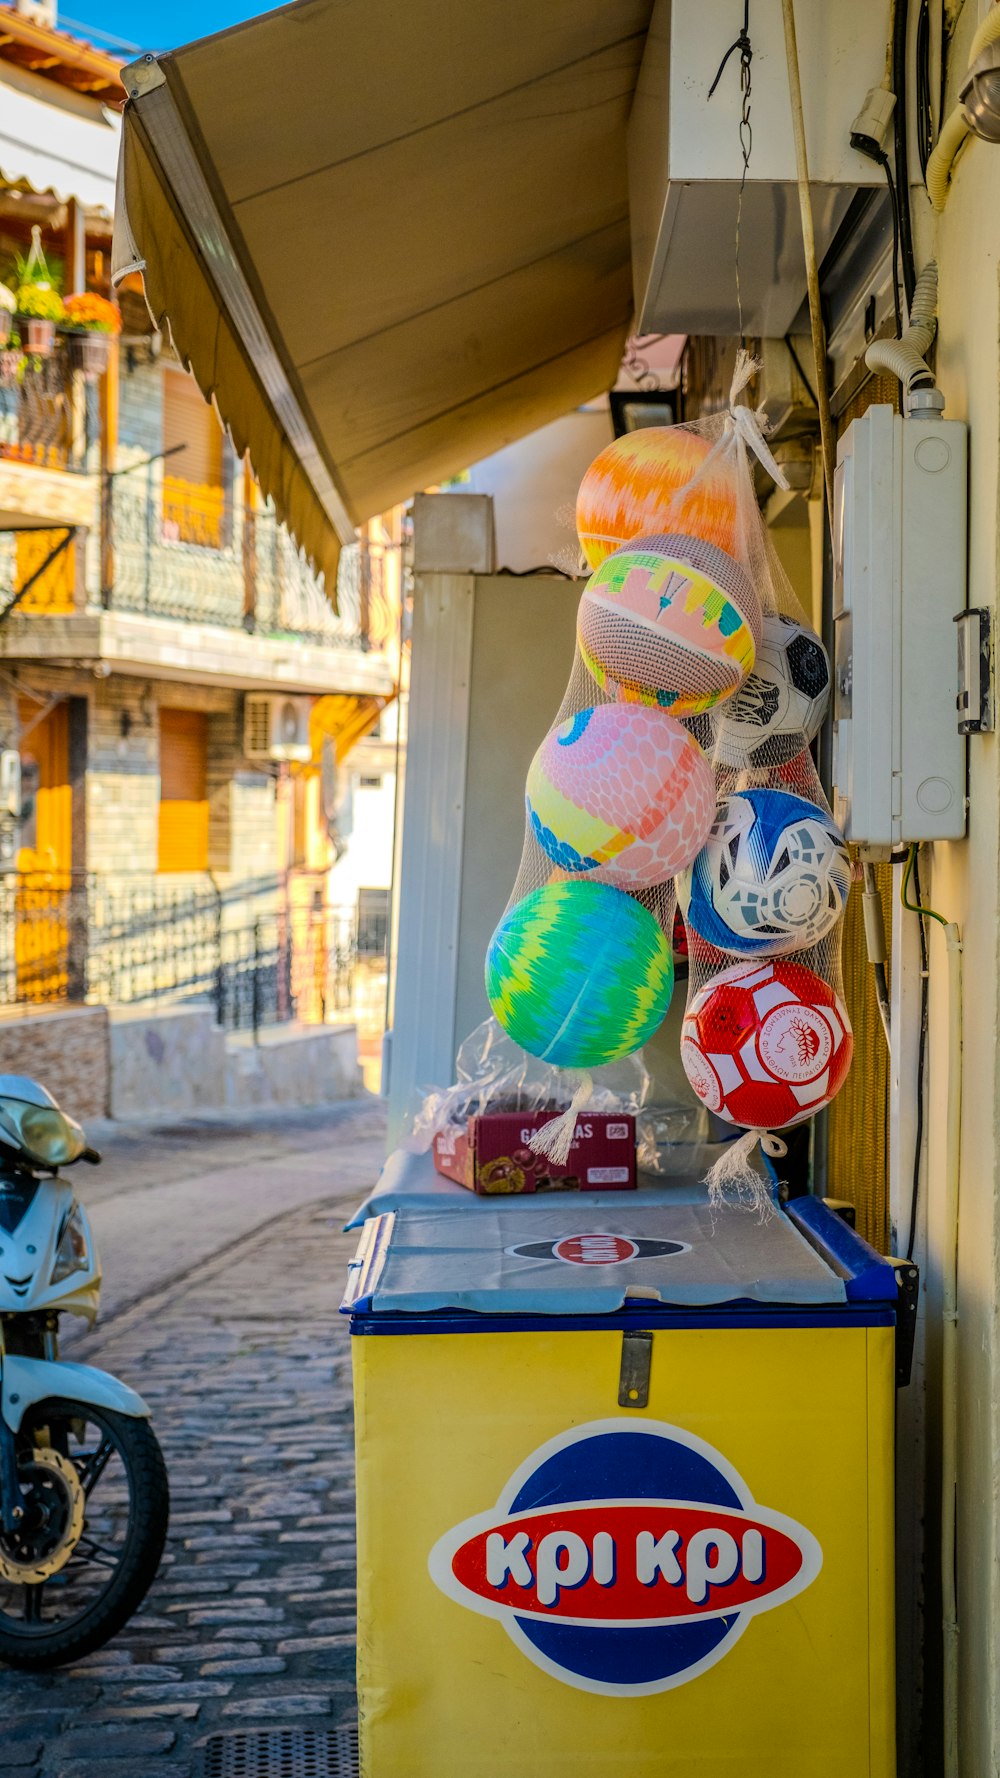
{"x":123,"y":777}
{"x":66,"y":1049}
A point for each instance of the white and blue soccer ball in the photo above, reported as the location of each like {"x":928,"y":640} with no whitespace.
{"x":773,"y":876}
{"x":781,"y":704}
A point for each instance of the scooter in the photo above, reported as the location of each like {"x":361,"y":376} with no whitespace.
{"x":84,"y":1499}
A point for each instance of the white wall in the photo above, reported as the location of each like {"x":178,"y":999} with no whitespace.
{"x":534,"y":486}
{"x":367,"y":863}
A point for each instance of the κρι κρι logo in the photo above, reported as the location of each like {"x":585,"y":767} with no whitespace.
{"x":625,"y":1558}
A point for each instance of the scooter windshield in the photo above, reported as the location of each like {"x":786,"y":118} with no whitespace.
{"x":44,"y":1133}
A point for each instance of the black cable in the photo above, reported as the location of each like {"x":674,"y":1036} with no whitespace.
{"x":883,"y":161}
{"x":925,"y":111}
{"x":796,"y":360}
{"x":899,"y":24}
{"x":918,"y":1134}
{"x":869,"y":146}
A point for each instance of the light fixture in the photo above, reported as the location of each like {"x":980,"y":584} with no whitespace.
{"x":633,"y":409}
{"x":980,"y":95}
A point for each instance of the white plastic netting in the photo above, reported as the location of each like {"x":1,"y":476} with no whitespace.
{"x":678,"y":765}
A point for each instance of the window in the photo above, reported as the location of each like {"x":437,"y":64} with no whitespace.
{"x":183,"y":834}
{"x":194,"y":498}
{"x":373,"y":922}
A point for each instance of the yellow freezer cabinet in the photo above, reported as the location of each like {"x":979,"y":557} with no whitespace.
{"x":625,"y":1491}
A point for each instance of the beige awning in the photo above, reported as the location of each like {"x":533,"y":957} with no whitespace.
{"x":389,"y":238}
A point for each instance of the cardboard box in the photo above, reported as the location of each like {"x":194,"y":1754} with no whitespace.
{"x":491,"y":1156}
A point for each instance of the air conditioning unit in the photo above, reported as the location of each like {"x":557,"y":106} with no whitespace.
{"x":686,"y":166}
{"x":276,"y":727}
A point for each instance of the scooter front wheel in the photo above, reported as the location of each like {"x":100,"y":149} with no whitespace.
{"x":95,"y":1504}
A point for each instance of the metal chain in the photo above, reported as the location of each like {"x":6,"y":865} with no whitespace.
{"x":743,"y":45}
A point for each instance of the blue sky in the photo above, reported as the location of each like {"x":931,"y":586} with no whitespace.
{"x":153,"y":24}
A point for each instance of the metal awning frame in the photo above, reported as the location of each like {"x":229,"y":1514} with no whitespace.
{"x":154,"y":109}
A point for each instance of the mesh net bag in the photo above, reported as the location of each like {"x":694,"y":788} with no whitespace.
{"x":682,"y":730}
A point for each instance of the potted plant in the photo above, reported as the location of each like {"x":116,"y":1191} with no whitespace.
{"x":8,"y":306}
{"x":95,"y":322}
{"x":37,"y":298}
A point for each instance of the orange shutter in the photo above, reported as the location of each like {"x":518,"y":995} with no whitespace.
{"x":193,"y":496}
{"x":53,"y":590}
{"x":183,"y":840}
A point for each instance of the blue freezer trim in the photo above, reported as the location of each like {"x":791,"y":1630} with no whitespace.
{"x":650,"y":1317}
{"x":365,"y":1269}
{"x":868,"y":1278}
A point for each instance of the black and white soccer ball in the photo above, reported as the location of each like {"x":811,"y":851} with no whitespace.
{"x":780,"y":706}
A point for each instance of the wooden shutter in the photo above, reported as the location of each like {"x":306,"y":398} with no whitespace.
{"x":45,"y":765}
{"x":193,"y":493}
{"x":183,"y":837}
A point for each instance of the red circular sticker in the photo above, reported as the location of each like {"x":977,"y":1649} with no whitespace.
{"x":595,"y":1250}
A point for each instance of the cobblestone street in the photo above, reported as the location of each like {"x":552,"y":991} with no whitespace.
{"x":245,"y":1362}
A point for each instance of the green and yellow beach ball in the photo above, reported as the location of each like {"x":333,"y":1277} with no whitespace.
{"x":579,"y":973}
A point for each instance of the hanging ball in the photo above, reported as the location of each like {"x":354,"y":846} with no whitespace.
{"x":622,"y":795}
{"x":636,"y":486}
{"x":766,"y":1045}
{"x":781,"y":704}
{"x":579,"y":974}
{"x":671,"y":621}
{"x":772,"y":877}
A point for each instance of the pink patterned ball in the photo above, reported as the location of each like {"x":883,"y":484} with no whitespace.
{"x":622,"y":794}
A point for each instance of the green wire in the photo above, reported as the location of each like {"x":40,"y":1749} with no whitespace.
{"x":914,"y":907}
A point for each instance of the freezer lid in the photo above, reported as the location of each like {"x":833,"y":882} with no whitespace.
{"x":574,"y":1260}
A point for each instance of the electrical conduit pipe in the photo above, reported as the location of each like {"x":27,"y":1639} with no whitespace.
{"x":905,"y":358}
{"x":955,"y":128}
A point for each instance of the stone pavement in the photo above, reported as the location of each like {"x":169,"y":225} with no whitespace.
{"x":245,"y":1362}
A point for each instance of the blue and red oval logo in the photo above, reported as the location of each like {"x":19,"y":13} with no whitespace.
{"x":598,"y":1249}
{"x":625,"y":1558}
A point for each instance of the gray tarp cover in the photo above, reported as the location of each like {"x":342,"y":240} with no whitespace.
{"x":409,"y":1182}
{"x":447,"y":1259}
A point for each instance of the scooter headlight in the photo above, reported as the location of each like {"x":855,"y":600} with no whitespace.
{"x":46,"y":1134}
{"x":73,"y":1251}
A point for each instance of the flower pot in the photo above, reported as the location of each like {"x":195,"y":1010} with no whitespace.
{"x":41,"y":337}
{"x":90,"y":354}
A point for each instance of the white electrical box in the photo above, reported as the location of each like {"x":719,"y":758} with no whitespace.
{"x":899,"y":579}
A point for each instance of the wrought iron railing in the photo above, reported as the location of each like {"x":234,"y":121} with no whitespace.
{"x":49,"y":408}
{"x":260,"y":953}
{"x":195,"y":554}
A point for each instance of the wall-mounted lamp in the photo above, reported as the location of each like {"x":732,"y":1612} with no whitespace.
{"x":980,"y":95}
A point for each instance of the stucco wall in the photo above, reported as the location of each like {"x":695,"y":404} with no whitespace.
{"x":964,"y":886}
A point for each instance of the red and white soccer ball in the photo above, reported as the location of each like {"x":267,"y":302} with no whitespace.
{"x":766,"y":1045}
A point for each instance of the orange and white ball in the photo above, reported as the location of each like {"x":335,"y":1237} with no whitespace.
{"x":635,"y":486}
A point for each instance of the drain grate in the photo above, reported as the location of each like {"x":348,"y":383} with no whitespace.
{"x":284,"y":1753}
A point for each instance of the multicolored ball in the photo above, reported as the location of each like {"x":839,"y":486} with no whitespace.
{"x":637,"y":485}
{"x":773,"y":876}
{"x":579,"y":974}
{"x":669,"y":620}
{"x":620,"y":794}
{"x":766,"y":1045}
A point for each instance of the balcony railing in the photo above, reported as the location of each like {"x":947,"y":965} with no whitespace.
{"x":49,"y":410}
{"x":256,"y":954}
{"x":197,"y":555}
